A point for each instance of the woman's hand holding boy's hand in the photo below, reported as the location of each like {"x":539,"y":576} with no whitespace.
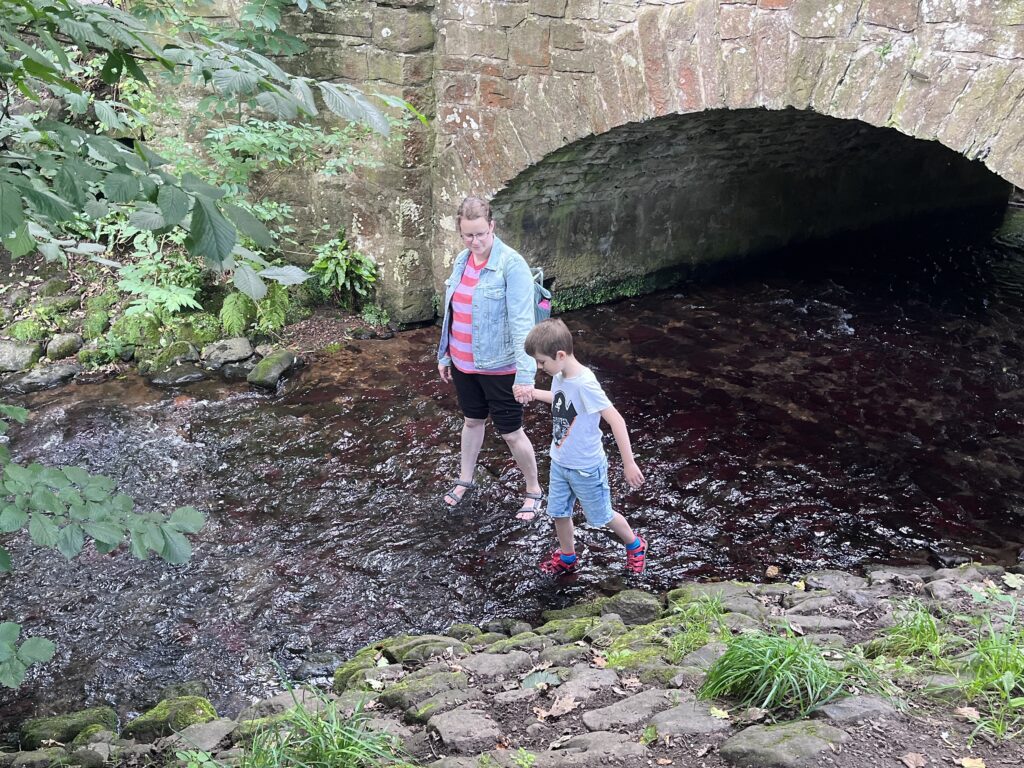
{"x":634,"y":477}
{"x":523,"y":393}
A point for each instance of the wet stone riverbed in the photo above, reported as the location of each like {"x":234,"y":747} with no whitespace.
{"x":831,"y":410}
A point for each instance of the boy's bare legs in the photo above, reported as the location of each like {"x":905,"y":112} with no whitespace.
{"x":472,"y":441}
{"x":621,"y":529}
{"x":566,"y":533}
{"x":522,"y":451}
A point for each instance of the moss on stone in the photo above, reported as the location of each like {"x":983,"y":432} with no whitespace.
{"x":28,"y":330}
{"x":101,"y":301}
{"x":199,"y":328}
{"x":141,"y":329}
{"x":349,"y":672}
{"x":174,"y":353}
{"x":87,"y":733}
{"x":410,"y":692}
{"x":64,"y":728}
{"x":247,"y":729}
{"x":170,"y":716}
{"x":95,"y":324}
{"x":592,"y":608}
{"x":568,"y":630}
{"x":464,"y":632}
{"x":422,"y":647}
{"x":524,"y":641}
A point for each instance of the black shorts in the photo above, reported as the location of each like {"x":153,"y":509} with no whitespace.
{"x":481,"y":395}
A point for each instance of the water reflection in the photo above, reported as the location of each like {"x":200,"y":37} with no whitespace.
{"x":809,"y":415}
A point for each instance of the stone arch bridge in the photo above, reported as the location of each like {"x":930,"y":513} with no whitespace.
{"x":621,"y":139}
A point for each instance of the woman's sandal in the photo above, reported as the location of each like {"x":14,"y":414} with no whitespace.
{"x":452,"y":499}
{"x":534,"y":503}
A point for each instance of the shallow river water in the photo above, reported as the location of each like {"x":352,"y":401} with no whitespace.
{"x":834,"y":409}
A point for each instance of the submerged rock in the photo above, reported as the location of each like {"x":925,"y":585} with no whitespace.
{"x":227,"y":351}
{"x":41,"y":378}
{"x":178,"y":375}
{"x":271,"y":368}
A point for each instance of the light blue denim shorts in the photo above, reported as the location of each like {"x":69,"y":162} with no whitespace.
{"x":590,"y":486}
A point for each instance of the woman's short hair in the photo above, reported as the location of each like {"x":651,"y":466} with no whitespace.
{"x":473,"y":208}
{"x":548,"y":338}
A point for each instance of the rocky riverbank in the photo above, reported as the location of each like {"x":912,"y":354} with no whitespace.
{"x":622,"y":681}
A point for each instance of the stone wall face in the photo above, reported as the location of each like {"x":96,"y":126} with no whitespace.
{"x":518,"y":80}
{"x":384,"y":47}
{"x":513,"y":85}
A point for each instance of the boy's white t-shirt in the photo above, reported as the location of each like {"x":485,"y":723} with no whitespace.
{"x":576,"y":420}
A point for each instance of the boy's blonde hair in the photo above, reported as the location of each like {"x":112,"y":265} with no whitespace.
{"x":548,"y":338}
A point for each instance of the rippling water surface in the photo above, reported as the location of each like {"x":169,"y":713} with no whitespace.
{"x":838,"y":408}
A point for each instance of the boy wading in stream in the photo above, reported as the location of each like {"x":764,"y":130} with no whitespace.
{"x":579,"y":466}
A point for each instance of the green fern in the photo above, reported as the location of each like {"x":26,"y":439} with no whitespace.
{"x":237,"y":314}
{"x":272,"y":308}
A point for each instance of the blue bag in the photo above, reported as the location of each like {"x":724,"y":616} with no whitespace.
{"x":541,"y":296}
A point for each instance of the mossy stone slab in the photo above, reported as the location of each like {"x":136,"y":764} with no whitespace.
{"x":170,"y":716}
{"x":64,"y":728}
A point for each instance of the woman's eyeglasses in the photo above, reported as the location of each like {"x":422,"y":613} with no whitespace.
{"x":480,"y":237}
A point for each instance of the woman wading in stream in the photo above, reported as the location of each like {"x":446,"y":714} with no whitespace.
{"x":488,"y":310}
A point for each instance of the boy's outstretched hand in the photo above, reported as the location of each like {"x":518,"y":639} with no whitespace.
{"x":634,"y":477}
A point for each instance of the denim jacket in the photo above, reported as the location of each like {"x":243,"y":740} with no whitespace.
{"x":502,"y":312}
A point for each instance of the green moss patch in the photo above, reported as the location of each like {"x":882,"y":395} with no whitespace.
{"x":28,"y":330}
{"x":170,"y":716}
{"x":64,"y":728}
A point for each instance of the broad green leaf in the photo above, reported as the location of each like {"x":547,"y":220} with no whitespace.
{"x":96,"y":209}
{"x":211,"y":235}
{"x":35,"y":650}
{"x":15,"y":412}
{"x":69,"y":185}
{"x":20,"y":243}
{"x":54,"y":478}
{"x":12,"y":673}
{"x":112,"y":70}
{"x":176,"y":549}
{"x":174,"y":203}
{"x":12,"y":519}
{"x":121,"y":188}
{"x":187,"y":519}
{"x":76,"y":475}
{"x":106,"y":533}
{"x":70,"y":541}
{"x":108,"y":115}
{"x":287,"y":275}
{"x":42,"y":530}
{"x":281,"y":107}
{"x":192,"y":183}
{"x":250,"y":226}
{"x":11,"y":215}
{"x":303,"y":93}
{"x":9,"y":633}
{"x":235,"y":82}
{"x":248,"y":282}
{"x":152,"y":537}
{"x":45,"y":500}
{"x":147,"y":217}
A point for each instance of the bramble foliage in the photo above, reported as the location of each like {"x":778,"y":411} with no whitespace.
{"x":52,"y":170}
{"x":237,"y":313}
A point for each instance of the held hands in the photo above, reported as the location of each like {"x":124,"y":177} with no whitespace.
{"x":445,"y":373}
{"x":523,"y":393}
{"x":634,"y":477}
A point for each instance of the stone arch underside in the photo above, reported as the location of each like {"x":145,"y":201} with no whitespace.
{"x":637,"y":207}
{"x":534,"y":86}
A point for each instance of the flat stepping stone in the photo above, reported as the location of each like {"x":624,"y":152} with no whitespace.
{"x":633,"y":607}
{"x":442,"y":702}
{"x":178,"y":375}
{"x":854,"y":709}
{"x":688,"y":718}
{"x":202,"y":736}
{"x":815,"y":623}
{"x":748,"y":606}
{"x":813,"y":605}
{"x":585,"y":681}
{"x":496,"y":665}
{"x":834,"y":580}
{"x":631,"y":711}
{"x":790,"y":745}
{"x":466,"y":731}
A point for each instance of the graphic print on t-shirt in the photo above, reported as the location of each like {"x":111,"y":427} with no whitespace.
{"x":563,"y":414}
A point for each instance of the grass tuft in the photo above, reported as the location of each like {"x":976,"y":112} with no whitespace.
{"x":774,"y":673}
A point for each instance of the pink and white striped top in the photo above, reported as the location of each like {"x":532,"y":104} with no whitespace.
{"x":460,"y":345}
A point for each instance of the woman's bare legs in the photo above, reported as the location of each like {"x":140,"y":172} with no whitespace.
{"x":522,"y":451}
